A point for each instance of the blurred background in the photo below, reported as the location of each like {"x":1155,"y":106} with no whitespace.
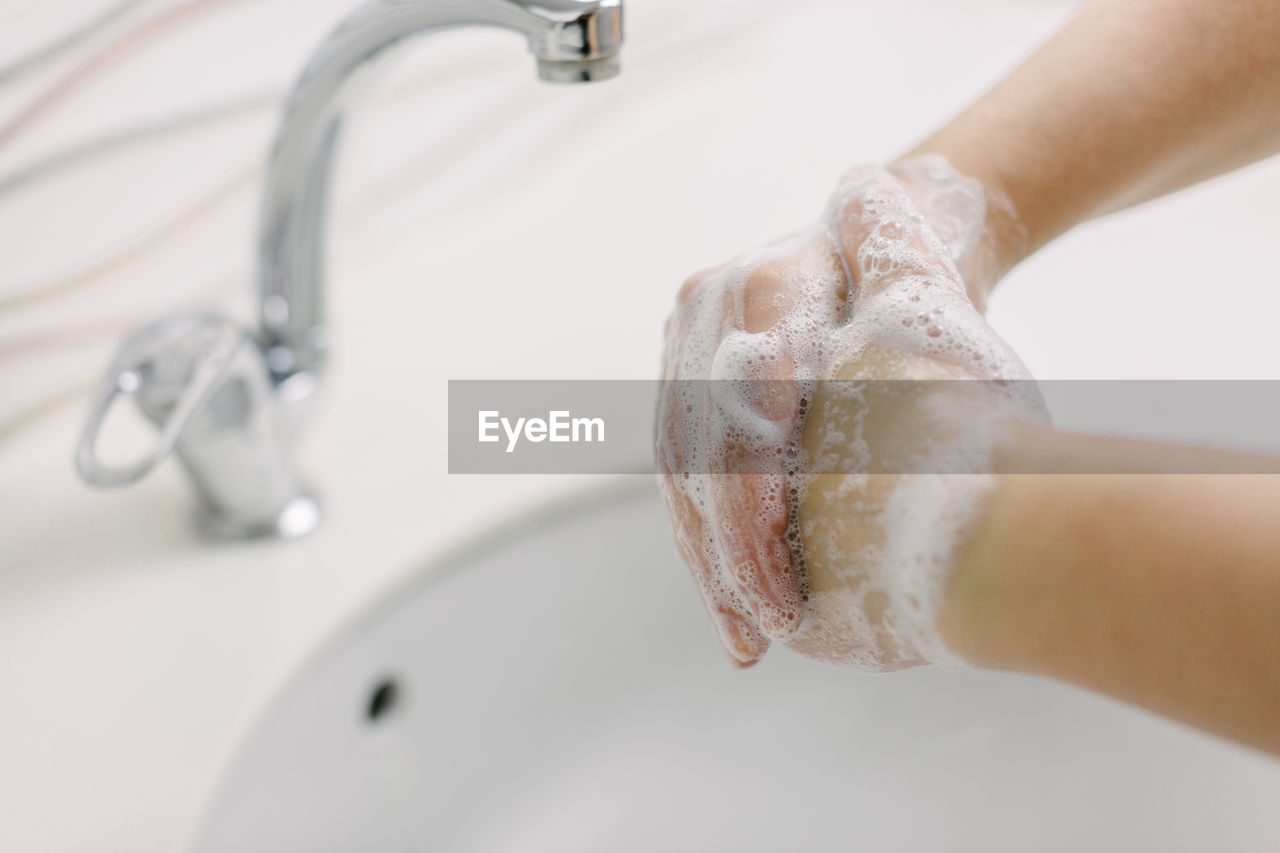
{"x":485,"y":225}
{"x":133,"y":135}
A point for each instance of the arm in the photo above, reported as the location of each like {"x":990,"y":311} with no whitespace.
{"x":1131,"y":100}
{"x":1159,"y":590}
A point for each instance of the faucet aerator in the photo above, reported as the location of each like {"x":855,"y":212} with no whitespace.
{"x":584,"y":71}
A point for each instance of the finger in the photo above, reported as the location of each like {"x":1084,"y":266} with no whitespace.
{"x":738,"y":554}
{"x":884,"y":238}
{"x":694,"y":281}
{"x":753,"y":511}
{"x":740,"y":636}
{"x":750,"y":499}
{"x":742,"y":641}
{"x":799,"y":278}
{"x":682,"y":414}
{"x":754,"y":423}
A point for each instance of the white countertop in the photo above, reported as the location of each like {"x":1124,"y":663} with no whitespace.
{"x":488,"y":227}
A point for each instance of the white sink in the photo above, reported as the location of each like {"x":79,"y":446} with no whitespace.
{"x":559,"y":689}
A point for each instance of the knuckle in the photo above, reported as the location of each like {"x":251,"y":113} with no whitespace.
{"x":764,"y":296}
{"x":690,"y":284}
{"x":761,"y":284}
{"x":693,"y":282}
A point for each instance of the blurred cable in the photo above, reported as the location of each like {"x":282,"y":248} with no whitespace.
{"x":128,"y":43}
{"x":84,"y":152}
{"x":172,"y":226}
{"x":70,"y":40}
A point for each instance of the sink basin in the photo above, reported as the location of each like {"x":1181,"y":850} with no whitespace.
{"x":557,"y":688}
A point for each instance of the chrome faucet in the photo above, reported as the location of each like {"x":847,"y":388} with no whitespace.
{"x":228,"y":401}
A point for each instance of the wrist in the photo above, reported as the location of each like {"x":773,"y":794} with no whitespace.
{"x":987,"y":615}
{"x":976,"y":220}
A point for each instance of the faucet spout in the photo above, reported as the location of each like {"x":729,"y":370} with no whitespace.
{"x":572,"y":40}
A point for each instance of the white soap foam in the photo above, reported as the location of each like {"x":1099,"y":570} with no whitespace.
{"x":706,"y":426}
{"x":910,"y":310}
{"x":960,"y":210}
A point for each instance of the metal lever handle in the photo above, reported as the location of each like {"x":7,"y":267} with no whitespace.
{"x":171,"y":366}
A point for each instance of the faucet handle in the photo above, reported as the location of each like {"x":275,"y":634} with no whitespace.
{"x":170,"y":367}
{"x":202,"y":380}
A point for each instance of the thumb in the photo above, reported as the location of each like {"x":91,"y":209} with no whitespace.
{"x":883,"y":237}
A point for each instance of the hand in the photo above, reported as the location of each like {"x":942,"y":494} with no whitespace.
{"x":895,"y":449}
{"x":726,"y":449}
{"x":978,"y":224}
{"x":722,"y":445}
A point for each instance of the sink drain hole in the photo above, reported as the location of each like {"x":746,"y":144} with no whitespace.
{"x":383,"y":699}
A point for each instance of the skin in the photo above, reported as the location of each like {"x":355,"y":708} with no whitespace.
{"x":897,"y":398}
{"x":1131,"y":100}
{"x":753,"y":548}
{"x":1158,"y":589}
{"x":754,"y":559}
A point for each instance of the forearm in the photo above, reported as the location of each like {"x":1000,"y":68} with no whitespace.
{"x":1132,"y":99}
{"x":1159,"y":590}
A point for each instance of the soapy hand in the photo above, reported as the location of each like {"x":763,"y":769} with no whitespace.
{"x":898,"y":439}
{"x":978,"y":226}
{"x":763,"y":329}
{"x":740,"y":337}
